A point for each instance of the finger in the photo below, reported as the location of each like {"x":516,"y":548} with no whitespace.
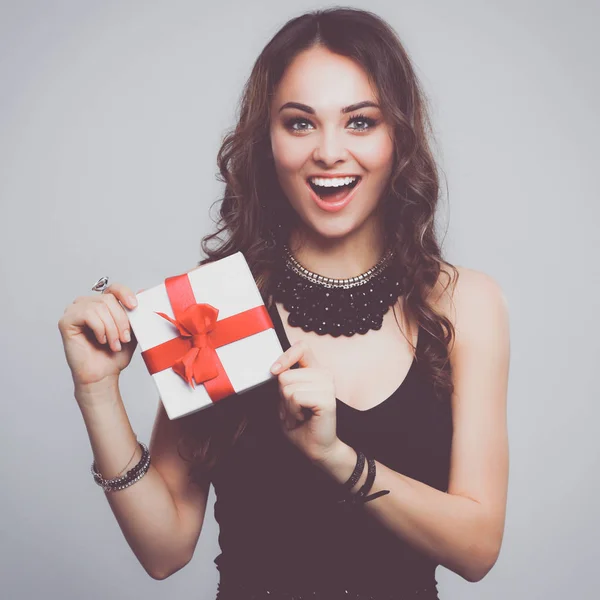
{"x":112,"y":332}
{"x":296,"y":398}
{"x":119,"y":316}
{"x":299,"y":352}
{"x":289,"y":414}
{"x":308,"y":374}
{"x":92,"y":319}
{"x":124,"y":294}
{"x":298,"y":405}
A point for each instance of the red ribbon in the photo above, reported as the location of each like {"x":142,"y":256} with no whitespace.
{"x":192,"y":355}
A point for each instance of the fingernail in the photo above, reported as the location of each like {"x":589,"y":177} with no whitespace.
{"x":118,"y":345}
{"x":275,"y":367}
{"x":127,"y":335}
{"x":132,"y":300}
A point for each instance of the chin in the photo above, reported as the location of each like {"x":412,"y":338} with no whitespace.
{"x":332,"y":229}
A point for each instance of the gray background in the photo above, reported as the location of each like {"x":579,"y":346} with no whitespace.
{"x":111,"y":114}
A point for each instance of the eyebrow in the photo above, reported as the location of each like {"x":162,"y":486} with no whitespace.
{"x":346,"y":109}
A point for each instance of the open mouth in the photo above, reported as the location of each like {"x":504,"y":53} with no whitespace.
{"x":333,"y":192}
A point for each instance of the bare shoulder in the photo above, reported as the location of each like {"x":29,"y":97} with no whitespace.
{"x":473,"y":301}
{"x":468,"y":298}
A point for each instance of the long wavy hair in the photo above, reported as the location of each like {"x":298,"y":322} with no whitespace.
{"x":255,"y":217}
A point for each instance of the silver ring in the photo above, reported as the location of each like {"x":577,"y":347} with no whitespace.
{"x":100,"y":285}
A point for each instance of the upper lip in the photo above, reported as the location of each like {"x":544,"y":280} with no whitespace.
{"x":331,"y":175}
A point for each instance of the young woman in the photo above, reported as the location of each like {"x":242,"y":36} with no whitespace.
{"x":378,"y":451}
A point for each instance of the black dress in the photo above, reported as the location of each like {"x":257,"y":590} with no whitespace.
{"x":280,"y":525}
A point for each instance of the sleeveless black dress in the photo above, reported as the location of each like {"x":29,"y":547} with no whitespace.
{"x":280,"y":525}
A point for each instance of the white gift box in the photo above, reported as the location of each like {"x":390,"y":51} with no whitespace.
{"x":228,"y":286}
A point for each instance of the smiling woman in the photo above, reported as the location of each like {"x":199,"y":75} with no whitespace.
{"x":320,"y":138}
{"x":378,"y":450}
{"x":331,"y":193}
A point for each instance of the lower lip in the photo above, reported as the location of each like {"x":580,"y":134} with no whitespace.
{"x":333,"y":206}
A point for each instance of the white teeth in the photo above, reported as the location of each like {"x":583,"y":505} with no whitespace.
{"x":332,"y":181}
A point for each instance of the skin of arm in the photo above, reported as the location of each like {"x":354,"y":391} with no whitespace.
{"x":463,"y":528}
{"x":160,"y":515}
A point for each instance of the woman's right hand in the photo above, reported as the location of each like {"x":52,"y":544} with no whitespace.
{"x":97,"y":336}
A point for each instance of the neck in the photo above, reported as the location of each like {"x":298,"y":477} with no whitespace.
{"x":338,"y":258}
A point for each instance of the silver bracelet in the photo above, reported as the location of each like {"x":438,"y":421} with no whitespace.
{"x":125,"y":467}
{"x":134,"y":474}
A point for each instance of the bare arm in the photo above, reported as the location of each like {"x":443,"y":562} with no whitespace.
{"x":461,"y":529}
{"x":160,"y":515}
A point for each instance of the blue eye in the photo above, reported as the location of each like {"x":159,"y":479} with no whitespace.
{"x":370,"y":123}
{"x":295,"y":121}
{"x":365,"y":123}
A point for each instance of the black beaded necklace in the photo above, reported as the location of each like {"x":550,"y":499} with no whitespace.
{"x":337,"y":306}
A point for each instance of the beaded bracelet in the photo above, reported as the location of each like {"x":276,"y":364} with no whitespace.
{"x":133,"y":475}
{"x":124,"y":481}
{"x":125,"y":467}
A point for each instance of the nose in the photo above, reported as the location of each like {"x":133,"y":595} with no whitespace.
{"x":330,"y":147}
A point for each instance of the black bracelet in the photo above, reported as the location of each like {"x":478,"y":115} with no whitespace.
{"x":361,"y":497}
{"x":358,"y":469}
{"x":364,"y":490}
{"x":351,"y":481}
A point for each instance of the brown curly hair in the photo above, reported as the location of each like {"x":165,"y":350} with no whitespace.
{"x":252,"y":211}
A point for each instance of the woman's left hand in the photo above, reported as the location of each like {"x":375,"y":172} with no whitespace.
{"x":308,"y":403}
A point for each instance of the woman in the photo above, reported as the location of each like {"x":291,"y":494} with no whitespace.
{"x":379,"y":449}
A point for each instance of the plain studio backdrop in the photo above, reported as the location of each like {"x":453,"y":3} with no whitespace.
{"x":111,"y":115}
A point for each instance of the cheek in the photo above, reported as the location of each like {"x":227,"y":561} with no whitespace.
{"x":289,"y":154}
{"x":377,"y":156}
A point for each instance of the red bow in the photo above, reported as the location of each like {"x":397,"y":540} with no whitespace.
{"x":199,"y":363}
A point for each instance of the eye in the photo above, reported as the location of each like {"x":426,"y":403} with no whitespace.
{"x":291,"y":124}
{"x":300,"y":124}
{"x":365,"y":122}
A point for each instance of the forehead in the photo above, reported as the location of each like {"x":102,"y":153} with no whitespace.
{"x":323,"y":80}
